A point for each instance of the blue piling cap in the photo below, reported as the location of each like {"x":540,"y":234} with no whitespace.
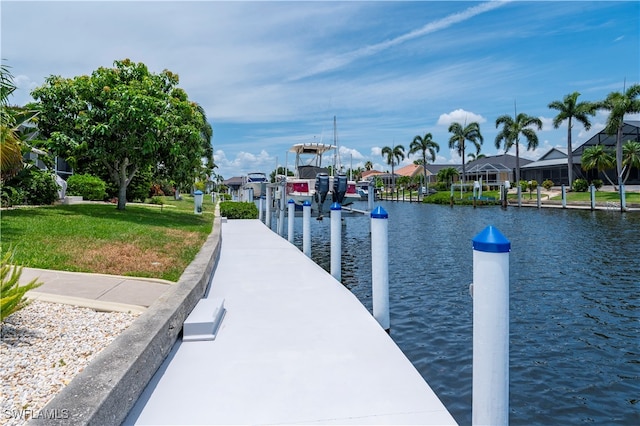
{"x":379,"y":213}
{"x":291,"y":201}
{"x":336,"y":206}
{"x":197,"y":192}
{"x":306,"y":203}
{"x":491,"y":240}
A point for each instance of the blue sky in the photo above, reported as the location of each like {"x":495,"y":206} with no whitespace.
{"x":271,"y":74}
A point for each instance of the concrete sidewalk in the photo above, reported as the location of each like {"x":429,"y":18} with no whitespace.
{"x":97,"y":291}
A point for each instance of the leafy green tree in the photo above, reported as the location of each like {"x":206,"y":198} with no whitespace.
{"x":569,"y":109}
{"x":599,"y":158}
{"x":619,"y":104}
{"x":630,"y":157}
{"x":427,"y":148}
{"x":511,"y":131}
{"x":125,"y":118}
{"x":461,"y":134}
{"x":393,"y":156}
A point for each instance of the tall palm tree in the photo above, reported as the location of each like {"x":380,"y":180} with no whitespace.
{"x":630,"y":157}
{"x":461,"y":134}
{"x":393,"y":154}
{"x":569,"y":108}
{"x":599,"y":158}
{"x":475,"y":157}
{"x":510,"y":134}
{"x":425,"y":145}
{"x":368,"y":165}
{"x":619,"y":104}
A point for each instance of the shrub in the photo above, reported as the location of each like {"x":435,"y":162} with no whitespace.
{"x":11,"y":196}
{"x":524,"y":185}
{"x":532,"y":185}
{"x":235,"y":210}
{"x":12,"y":297}
{"x":88,"y":186}
{"x":597,"y":183}
{"x":580,"y":185}
{"x":547,"y":184}
{"x":32,"y":186}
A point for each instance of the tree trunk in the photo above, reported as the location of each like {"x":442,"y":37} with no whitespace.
{"x":569,"y":155}
{"x":122,"y":196}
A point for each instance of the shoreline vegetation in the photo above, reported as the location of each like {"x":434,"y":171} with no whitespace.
{"x":553,"y":196}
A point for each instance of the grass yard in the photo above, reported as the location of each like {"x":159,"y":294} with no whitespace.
{"x":142,"y":241}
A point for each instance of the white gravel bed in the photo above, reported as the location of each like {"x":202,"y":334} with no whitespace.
{"x":43,"y":347}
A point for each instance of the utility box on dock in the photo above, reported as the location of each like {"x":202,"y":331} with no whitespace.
{"x":197,"y":202}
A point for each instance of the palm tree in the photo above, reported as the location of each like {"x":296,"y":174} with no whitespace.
{"x":426,"y":145}
{"x":619,"y":104}
{"x":599,"y":158}
{"x":393,"y":154}
{"x":569,"y":108}
{"x":630,"y":157}
{"x":510,"y":134}
{"x":475,"y":157}
{"x":368,"y":165}
{"x":447,"y":175}
{"x":13,"y":133}
{"x":461,"y":134}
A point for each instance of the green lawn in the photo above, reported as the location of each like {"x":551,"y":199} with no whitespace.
{"x":145,"y":241}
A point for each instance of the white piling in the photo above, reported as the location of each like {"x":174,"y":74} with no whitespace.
{"x":281,"y":212}
{"x":490,"y":394}
{"x":623,"y":198}
{"x":564,"y":197}
{"x":371,"y":195}
{"x":592,"y":194}
{"x":260,"y":208}
{"x":539,"y":195}
{"x":306,"y":228}
{"x":336,"y":241}
{"x":267,"y":220}
{"x":519,"y":195}
{"x":291,"y":215}
{"x":380,"y":266}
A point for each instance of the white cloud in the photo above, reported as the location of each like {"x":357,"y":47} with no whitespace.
{"x":460,"y":116}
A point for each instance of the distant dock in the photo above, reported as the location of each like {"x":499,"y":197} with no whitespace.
{"x":294,"y":346}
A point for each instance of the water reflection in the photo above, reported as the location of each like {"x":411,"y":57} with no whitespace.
{"x":574,"y":299}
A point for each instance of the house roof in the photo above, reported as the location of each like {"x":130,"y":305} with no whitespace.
{"x":504,"y":162}
{"x":630,"y":131}
{"x":409,"y":170}
{"x":234,"y":181}
{"x":370,"y":173}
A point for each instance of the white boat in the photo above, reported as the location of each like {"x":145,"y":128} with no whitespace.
{"x":258,"y":182}
{"x":308,"y":166}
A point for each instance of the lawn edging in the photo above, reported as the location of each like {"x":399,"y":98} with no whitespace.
{"x":108,"y":388}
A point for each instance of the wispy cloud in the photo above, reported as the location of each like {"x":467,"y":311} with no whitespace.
{"x":340,"y":61}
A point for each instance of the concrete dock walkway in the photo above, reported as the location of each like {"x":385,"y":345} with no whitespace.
{"x":294,"y":346}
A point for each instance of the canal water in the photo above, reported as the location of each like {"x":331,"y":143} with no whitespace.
{"x":574,"y":304}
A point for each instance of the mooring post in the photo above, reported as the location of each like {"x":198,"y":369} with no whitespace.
{"x":267,"y":218}
{"x":592,"y":194}
{"x":490,"y":291}
{"x":519,"y":195}
{"x":371,"y":195}
{"x":291,"y":205}
{"x":281,"y":204}
{"x":539,"y":196}
{"x":380,"y":266}
{"x":564,"y":197}
{"x":306,"y":228}
{"x":260,"y":207}
{"x":336,"y":241}
{"x":623,"y":198}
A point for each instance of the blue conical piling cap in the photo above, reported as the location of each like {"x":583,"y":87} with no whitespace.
{"x":291,"y":201}
{"x":336,"y":206}
{"x":306,"y":203}
{"x":379,"y":213}
{"x":197,"y":192}
{"x":491,"y":240}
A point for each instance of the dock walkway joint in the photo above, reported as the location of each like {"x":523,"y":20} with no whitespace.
{"x":294,"y":346}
